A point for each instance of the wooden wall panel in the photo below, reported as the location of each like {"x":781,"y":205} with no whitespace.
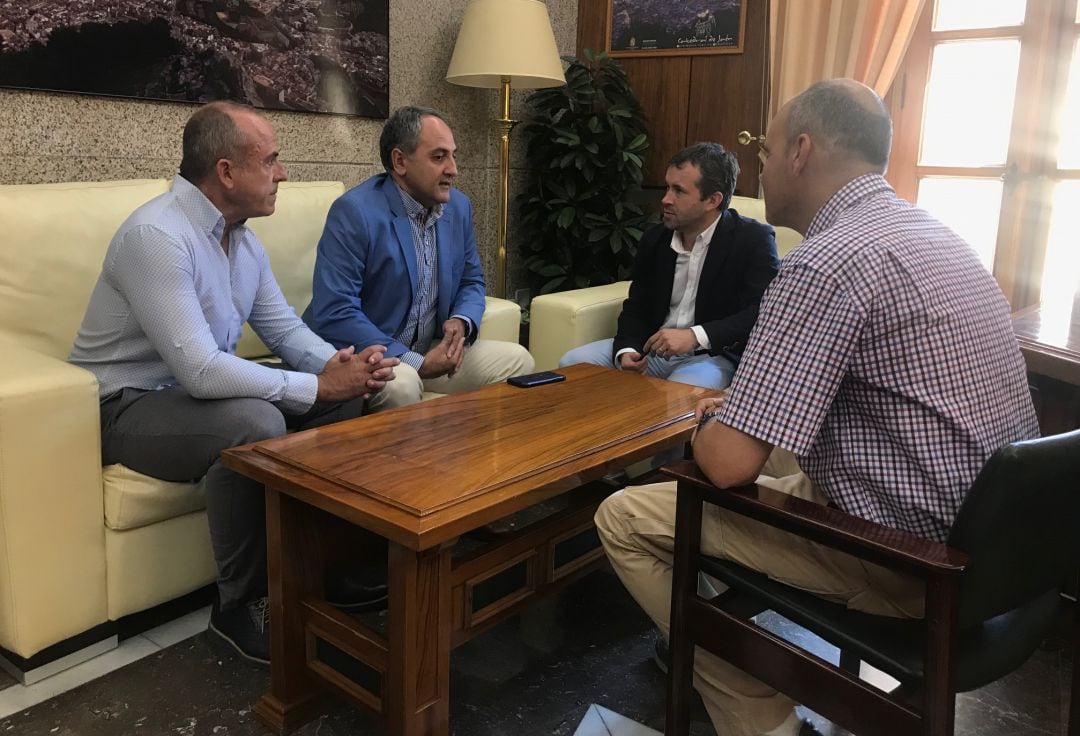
{"x":660,"y":85}
{"x":727,"y":94}
{"x":693,"y":98}
{"x":592,"y":25}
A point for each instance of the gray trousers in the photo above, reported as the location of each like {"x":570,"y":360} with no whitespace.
{"x":167,"y":434}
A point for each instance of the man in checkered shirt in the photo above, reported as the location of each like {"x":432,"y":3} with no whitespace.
{"x":883,"y":364}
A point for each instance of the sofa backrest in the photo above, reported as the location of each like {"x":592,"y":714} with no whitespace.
{"x":54,"y":239}
{"x":290,"y":236}
{"x":786,"y":238}
{"x":52,"y":242}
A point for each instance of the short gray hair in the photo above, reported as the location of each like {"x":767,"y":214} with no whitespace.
{"x":402,"y":131}
{"x":831,"y":111}
{"x":210,"y":135}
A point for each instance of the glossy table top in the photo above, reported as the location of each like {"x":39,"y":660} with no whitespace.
{"x":425,"y":473}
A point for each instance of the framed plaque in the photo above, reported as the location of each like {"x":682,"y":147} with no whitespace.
{"x":641,"y":28}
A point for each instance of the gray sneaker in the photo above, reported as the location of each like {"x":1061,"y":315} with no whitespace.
{"x":246,"y":628}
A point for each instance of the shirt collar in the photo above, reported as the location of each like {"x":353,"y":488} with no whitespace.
{"x":703,"y":239}
{"x":417,"y":211}
{"x":846,"y":196}
{"x":199,"y":210}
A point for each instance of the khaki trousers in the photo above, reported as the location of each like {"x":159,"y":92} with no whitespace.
{"x":637,"y":528}
{"x":485,"y":361}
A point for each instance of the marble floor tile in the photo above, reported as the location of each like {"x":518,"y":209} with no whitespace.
{"x":177,"y":630}
{"x":599,"y":721}
{"x":20,"y":697}
{"x":542,"y":673}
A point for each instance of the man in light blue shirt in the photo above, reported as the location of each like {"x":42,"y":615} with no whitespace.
{"x":180,"y":278}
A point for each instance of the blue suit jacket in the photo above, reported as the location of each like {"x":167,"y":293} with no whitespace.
{"x":366,"y":274}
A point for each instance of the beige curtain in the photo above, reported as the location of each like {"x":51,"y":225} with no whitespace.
{"x":812,"y":40}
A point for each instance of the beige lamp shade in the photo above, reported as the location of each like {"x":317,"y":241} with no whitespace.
{"x":506,"y":38}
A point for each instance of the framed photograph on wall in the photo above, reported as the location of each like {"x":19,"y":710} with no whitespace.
{"x":308,"y":55}
{"x":641,"y":28}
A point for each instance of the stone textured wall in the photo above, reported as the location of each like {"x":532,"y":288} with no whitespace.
{"x":47,"y":137}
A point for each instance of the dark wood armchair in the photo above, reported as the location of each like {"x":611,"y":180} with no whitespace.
{"x":992,"y":593}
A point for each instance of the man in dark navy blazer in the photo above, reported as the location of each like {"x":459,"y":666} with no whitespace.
{"x":697,"y":280}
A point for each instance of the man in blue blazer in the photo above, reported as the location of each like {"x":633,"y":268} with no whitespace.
{"x":697,"y":280}
{"x":397,"y":266}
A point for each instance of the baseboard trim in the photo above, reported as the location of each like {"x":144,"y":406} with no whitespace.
{"x":100,"y":639}
{"x":60,"y":656}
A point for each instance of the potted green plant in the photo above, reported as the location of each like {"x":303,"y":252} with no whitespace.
{"x":585,"y":145}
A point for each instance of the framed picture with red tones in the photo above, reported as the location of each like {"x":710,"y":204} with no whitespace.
{"x":641,"y":28}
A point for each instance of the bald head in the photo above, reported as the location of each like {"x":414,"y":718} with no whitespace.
{"x":846,"y":117}
{"x":212,"y":134}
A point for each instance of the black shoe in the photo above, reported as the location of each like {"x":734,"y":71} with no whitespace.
{"x":807,"y":729}
{"x":618,"y":479}
{"x":246,"y":628}
{"x":358,"y":592}
{"x":661,"y":656}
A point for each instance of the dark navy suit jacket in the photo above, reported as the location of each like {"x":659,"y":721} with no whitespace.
{"x":741,"y":262}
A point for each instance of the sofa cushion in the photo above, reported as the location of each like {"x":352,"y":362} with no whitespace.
{"x":290,"y":237}
{"x":67,"y":229}
{"x":133,"y":500}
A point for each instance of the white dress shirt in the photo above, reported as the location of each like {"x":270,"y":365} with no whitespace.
{"x":684,"y":288}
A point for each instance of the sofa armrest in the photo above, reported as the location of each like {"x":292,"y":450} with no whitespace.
{"x":52,"y":535}
{"x":502,"y":320}
{"x":568,"y":319}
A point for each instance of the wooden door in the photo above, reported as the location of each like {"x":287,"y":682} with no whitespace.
{"x":696,"y":98}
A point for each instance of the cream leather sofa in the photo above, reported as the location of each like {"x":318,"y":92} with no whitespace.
{"x":559,"y":322}
{"x":82,"y":546}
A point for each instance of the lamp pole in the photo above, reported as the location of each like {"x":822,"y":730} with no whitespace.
{"x":505,"y":126}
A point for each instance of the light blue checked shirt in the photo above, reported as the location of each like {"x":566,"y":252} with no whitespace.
{"x":169,"y":305}
{"x":420,"y":326}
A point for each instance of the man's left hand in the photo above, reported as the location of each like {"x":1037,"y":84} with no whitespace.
{"x":671,"y":342}
{"x":454,"y":335}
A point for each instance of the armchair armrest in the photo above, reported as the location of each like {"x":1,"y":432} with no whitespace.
{"x":502,"y":320}
{"x":568,"y":319}
{"x":52,"y":535}
{"x":867,"y":540}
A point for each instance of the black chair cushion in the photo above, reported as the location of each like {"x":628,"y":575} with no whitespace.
{"x":984,"y":651}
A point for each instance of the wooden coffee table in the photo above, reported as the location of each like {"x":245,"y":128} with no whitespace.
{"x":421,"y":476}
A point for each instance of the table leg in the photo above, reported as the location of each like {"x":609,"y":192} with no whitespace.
{"x":416,"y":698}
{"x":294,"y":571}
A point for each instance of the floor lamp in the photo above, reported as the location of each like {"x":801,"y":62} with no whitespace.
{"x":504,"y":44}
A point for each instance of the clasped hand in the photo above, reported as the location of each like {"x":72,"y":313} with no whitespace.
{"x":348,"y":375}
{"x":666,"y":343}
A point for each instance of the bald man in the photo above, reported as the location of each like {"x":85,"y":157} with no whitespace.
{"x":880,"y":376}
{"x":180,"y":277}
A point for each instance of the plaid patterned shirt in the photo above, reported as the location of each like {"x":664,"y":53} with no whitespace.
{"x":420,"y":326}
{"x":884,"y":358}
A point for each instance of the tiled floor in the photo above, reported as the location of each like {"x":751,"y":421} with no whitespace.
{"x":15,"y":697}
{"x":567,"y":667}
